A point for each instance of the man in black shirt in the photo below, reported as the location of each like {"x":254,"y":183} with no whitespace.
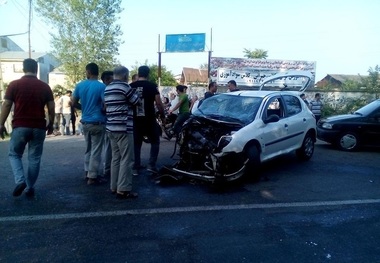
{"x":145,"y":123}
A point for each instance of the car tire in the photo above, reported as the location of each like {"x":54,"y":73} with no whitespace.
{"x":253,"y":165}
{"x":348,"y":141}
{"x":307,"y":149}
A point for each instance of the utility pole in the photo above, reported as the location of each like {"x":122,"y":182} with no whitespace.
{"x":29,"y":26}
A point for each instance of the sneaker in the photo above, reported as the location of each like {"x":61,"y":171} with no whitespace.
{"x":96,"y":181}
{"x":29,"y":192}
{"x":152,"y":169}
{"x":169,"y":134}
{"x":126,"y":195}
{"x":19,"y":189}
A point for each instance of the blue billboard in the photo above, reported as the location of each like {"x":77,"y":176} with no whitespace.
{"x":185,"y":43}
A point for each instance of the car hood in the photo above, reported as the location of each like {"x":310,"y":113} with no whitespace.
{"x":307,"y":78}
{"x":342,"y":118}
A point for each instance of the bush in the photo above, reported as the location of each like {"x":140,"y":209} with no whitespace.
{"x":342,"y":105}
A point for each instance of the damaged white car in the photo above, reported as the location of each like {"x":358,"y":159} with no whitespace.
{"x":232,"y":133}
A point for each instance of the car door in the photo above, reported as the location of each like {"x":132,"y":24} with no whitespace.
{"x":371,"y":127}
{"x":296,"y":121}
{"x":273,"y":134}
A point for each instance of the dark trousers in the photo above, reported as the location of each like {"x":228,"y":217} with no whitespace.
{"x":151,"y":129}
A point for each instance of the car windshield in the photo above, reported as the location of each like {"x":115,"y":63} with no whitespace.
{"x":241,"y":109}
{"x":369,"y":108}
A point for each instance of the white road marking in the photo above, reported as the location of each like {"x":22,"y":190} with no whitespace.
{"x":185,"y":210}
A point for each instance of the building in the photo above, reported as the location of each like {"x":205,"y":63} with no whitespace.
{"x":338,"y":80}
{"x":6,"y":44}
{"x":194,"y":77}
{"x":58,"y":77}
{"x":11,"y":64}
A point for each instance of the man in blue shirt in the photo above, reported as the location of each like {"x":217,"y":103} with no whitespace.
{"x":90,"y":94}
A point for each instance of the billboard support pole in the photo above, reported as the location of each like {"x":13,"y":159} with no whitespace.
{"x":159,"y":62}
{"x":209,"y":59}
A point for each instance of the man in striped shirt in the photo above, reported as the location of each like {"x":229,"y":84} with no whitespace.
{"x":120,"y":99}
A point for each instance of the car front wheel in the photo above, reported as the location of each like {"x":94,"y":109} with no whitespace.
{"x":348,"y":141}
{"x":253,"y":164}
{"x":307,"y":149}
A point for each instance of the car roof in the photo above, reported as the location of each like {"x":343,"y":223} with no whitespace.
{"x":260,"y":93}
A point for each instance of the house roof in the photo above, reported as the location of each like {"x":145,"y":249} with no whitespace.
{"x":339,"y":79}
{"x":343,"y":78}
{"x":192,"y":75}
{"x":20,"y":55}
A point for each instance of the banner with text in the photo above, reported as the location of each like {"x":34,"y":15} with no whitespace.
{"x":251,"y":72}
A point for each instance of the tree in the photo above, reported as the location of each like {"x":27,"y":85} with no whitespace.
{"x":58,"y":90}
{"x":372,"y":82}
{"x":257,"y":53}
{"x":203,"y":66}
{"x":167,"y":78}
{"x":85,"y":31}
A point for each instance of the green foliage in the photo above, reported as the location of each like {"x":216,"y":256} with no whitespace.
{"x":58,"y":90}
{"x":167,"y":77}
{"x":343,"y":105}
{"x":203,"y":66}
{"x":351,"y":85}
{"x":257,"y":53}
{"x":84,"y":32}
{"x":372,"y":82}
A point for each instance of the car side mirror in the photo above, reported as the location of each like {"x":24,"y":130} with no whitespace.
{"x":272,"y":118}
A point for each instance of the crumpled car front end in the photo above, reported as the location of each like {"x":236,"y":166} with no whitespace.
{"x":201,"y":144}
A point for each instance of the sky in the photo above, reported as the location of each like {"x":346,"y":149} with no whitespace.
{"x":341,"y":36}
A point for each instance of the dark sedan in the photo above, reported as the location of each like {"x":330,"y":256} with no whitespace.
{"x":350,"y":131}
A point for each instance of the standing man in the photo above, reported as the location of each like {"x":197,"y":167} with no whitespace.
{"x":212,"y":89}
{"x":316,"y":106}
{"x":145,"y":123}
{"x":90,"y":94}
{"x":66,"y":112}
{"x":74,"y":113}
{"x":232,"y":86}
{"x":303,"y":97}
{"x":58,"y":115}
{"x":29,"y":96}
{"x":120,"y":100}
{"x":107,"y":78}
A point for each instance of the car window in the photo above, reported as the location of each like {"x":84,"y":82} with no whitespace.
{"x":274,"y":106}
{"x":242,"y":108}
{"x":293,"y":105}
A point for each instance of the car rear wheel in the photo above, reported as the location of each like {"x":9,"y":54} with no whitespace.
{"x":307,"y":149}
{"x":348,"y":141}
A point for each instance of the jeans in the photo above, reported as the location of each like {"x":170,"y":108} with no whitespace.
{"x":65,"y":130}
{"x":57,"y":121}
{"x":19,"y":139}
{"x":182,"y":117}
{"x":122,"y":161}
{"x":94,"y":137}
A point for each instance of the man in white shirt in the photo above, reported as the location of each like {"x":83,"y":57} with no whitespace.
{"x":66,"y":113}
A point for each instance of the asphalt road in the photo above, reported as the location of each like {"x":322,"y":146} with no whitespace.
{"x":324,"y":210}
